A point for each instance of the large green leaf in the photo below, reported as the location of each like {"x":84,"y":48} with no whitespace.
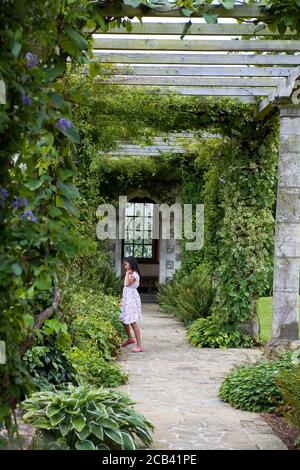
{"x":85,"y":432}
{"x":128,"y":442}
{"x":65,"y":428}
{"x":114,"y":435}
{"x":228,"y":4}
{"x":57,"y":418}
{"x":107,"y":423}
{"x":35,"y":184}
{"x":69,"y":190}
{"x":210,"y":17}
{"x":77,"y":37}
{"x":44,"y":281}
{"x":52,"y":410}
{"x":98,"y":431}
{"x":78,"y":422}
{"x":72,"y":134}
{"x":66,"y":204}
{"x":85,"y":445}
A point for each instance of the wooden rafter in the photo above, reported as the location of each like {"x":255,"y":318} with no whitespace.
{"x":197,"y":71}
{"x":284,"y":45}
{"x":191,"y":81}
{"x":220,"y":29}
{"x":147,"y":57}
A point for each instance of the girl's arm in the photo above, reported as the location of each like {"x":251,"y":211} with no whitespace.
{"x":129,"y":278}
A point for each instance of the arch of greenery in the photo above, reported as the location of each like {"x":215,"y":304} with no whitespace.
{"x":44,"y":161}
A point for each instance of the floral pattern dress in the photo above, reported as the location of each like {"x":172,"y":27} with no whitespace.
{"x":131,"y":310}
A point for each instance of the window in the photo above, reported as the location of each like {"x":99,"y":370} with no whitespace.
{"x":139,"y":231}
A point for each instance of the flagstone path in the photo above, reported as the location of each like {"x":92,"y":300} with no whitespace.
{"x":176,"y":386}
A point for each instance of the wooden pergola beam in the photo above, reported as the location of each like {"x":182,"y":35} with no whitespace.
{"x":285,"y":45}
{"x":219,"y":29}
{"x":118,"y":9}
{"x":199,"y":71}
{"x":207,"y":91}
{"x":282,"y":92}
{"x":195,"y":59}
{"x":191,"y":81}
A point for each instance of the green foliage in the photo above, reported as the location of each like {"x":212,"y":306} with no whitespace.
{"x":212,"y":333}
{"x":49,"y":366}
{"x":283,"y":14}
{"x":255,"y":388}
{"x":188,"y":298}
{"x":92,"y":304}
{"x":47,"y":362}
{"x":38,"y":214}
{"x":86,"y":418}
{"x":289,"y":386}
{"x":94,"y":369}
{"x":93,"y":319}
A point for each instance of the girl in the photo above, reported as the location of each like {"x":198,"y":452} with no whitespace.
{"x":131,"y":310}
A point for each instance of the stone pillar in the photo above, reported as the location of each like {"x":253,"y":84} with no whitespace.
{"x":287,"y":232}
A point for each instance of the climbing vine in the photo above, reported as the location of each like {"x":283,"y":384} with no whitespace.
{"x":43,"y":157}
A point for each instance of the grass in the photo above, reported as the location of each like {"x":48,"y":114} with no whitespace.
{"x":264,"y":306}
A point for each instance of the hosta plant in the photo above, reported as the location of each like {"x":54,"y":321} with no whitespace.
{"x":85,"y":418}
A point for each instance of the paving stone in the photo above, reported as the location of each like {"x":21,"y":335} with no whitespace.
{"x":176,"y":386}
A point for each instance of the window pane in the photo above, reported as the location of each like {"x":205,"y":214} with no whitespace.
{"x":147,"y":236}
{"x":147,"y":253}
{"x":129,"y":208}
{"x":148,"y":223}
{"x":148,"y":209}
{"x":139,"y":209}
{"x":129,"y":223}
{"x":138,"y":251}
{"x":139,"y":223}
{"x":128,"y":250}
{"x":129,"y":235}
{"x":138,"y":235}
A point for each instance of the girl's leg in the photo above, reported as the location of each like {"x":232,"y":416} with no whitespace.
{"x":128,"y":331}
{"x":137,"y":334}
{"x":130,"y":339}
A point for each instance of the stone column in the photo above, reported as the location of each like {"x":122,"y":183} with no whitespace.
{"x":287,"y":232}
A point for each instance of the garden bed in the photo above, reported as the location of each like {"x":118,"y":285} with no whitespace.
{"x":282,"y":429}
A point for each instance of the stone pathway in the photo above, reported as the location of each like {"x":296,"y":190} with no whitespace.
{"x":176,"y":386}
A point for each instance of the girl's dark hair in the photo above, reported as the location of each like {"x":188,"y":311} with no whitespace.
{"x":133,"y":263}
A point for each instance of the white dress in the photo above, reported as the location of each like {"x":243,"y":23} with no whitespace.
{"x":131,"y":310}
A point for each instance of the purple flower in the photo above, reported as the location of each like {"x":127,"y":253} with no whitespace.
{"x":28,"y":215}
{"x":26,"y":100}
{"x":4,"y":193}
{"x":31,"y":60}
{"x":19,"y":203}
{"x":64,"y":124}
{"x":222,"y":180}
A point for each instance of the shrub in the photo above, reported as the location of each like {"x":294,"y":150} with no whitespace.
{"x":79,"y":301}
{"x":187,"y":298}
{"x":95,"y":369}
{"x":95,"y":333}
{"x":94,"y":324}
{"x":96,"y":273}
{"x":211,"y":333}
{"x":84,"y":418}
{"x":46,"y":362}
{"x":289,"y":386}
{"x":255,"y":388}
